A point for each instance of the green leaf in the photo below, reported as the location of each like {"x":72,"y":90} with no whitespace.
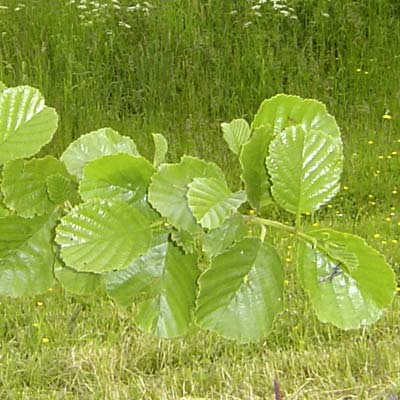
{"x":218,"y":240}
{"x":168,"y":188}
{"x":242,"y":291}
{"x":100,"y":236}
{"x":4,"y":211}
{"x":2,"y":86}
{"x":347,"y":280}
{"x":94,"y":145}
{"x":236,"y":133}
{"x":61,"y":189}
{"x":282,"y":111}
{"x":26,"y":123}
{"x":211,"y":201}
{"x":26,"y":263}
{"x":305,"y":169}
{"x":163,"y":284}
{"x":15,"y":231}
{"x":117,"y":176}
{"x":185,"y":240}
{"x":25,"y":185}
{"x":160,"y":148}
{"x":80,"y":283}
{"x":255,"y":175}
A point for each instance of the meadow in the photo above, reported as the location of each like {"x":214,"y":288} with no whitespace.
{"x":181,"y":68}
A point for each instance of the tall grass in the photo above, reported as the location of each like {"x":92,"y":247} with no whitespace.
{"x":186,"y":65}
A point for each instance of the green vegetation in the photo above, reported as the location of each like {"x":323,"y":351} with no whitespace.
{"x":182,"y":68}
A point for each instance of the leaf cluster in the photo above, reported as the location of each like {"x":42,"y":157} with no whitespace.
{"x":172,"y":239}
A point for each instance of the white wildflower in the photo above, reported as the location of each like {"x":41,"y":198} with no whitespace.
{"x":247,"y":24}
{"x":124,"y":24}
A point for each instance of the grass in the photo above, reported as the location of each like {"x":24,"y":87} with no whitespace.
{"x":182,"y":68}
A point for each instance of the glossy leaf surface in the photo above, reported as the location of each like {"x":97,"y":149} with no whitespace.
{"x":100,"y":236}
{"x":163,"y":285}
{"x":26,"y":123}
{"x":305,"y":169}
{"x":80,"y":283}
{"x":218,"y":240}
{"x":169,"y":186}
{"x":26,"y":255}
{"x":241,"y":293}
{"x":236,"y":133}
{"x":61,"y":189}
{"x":212,"y":202}
{"x":254,"y":171}
{"x":282,"y":111}
{"x":160,"y":148}
{"x":118,"y":176}
{"x":25,"y":185}
{"x":94,"y":145}
{"x":348,"y":281}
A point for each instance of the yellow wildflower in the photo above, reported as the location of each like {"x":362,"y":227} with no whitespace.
{"x":386,"y":116}
{"x":377,"y":235}
{"x":370,"y":142}
{"x":39,"y":303}
{"x":45,"y":340}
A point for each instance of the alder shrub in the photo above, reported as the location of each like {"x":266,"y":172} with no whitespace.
{"x":173,"y":239}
